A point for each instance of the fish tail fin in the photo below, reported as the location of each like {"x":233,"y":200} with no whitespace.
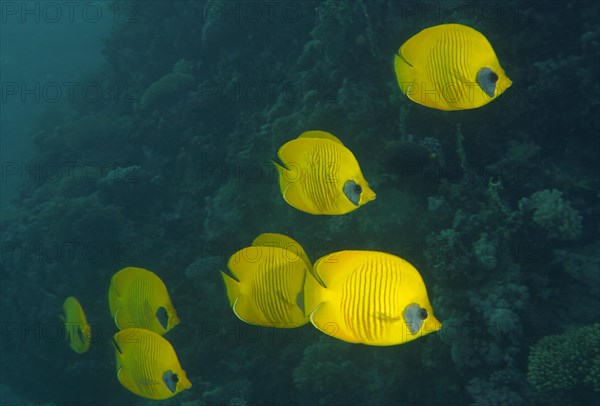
{"x":314,"y":294}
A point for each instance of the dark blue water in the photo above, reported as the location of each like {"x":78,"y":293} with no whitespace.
{"x":47,"y":50}
{"x":158,"y":154}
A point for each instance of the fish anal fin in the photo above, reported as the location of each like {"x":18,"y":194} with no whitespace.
{"x":116,"y":318}
{"x":124,"y":377}
{"x":235,"y":311}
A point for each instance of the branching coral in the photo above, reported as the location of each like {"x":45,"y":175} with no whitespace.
{"x":502,"y":388}
{"x":445,"y":255}
{"x":554,"y":214}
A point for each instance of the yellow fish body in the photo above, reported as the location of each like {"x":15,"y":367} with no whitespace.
{"x":268,"y":279}
{"x":450,"y":67}
{"x":78,"y":331}
{"x":139,"y":298}
{"x":147,"y":364}
{"x":369,"y":297}
{"x":320,"y":175}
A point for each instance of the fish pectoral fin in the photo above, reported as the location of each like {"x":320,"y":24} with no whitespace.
{"x":386,"y":317}
{"x":147,"y":382}
{"x":284,"y":299}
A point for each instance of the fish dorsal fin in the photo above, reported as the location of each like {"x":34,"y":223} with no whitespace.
{"x":282,"y":241}
{"x":334,"y":268}
{"x":321,"y":134}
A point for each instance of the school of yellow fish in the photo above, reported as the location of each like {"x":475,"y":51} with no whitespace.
{"x":369,"y":297}
{"x":142,"y":310}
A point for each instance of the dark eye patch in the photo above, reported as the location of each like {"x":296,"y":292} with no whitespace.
{"x":170,"y":380}
{"x":162,"y":317}
{"x":352,"y":191}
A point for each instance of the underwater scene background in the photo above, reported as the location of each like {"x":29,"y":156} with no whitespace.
{"x":162,"y":159}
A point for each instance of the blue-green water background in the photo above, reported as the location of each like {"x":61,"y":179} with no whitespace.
{"x":169,"y":169}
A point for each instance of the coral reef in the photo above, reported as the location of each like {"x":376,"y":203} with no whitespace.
{"x":554,"y":214}
{"x":181,"y":78}
{"x":566,"y":361}
{"x":496,"y":207}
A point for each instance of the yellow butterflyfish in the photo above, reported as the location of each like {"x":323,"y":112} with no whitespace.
{"x":147,"y":364}
{"x":78,"y":331}
{"x":450,"y":67}
{"x":319,"y":175}
{"x":368,"y":297}
{"x":266,"y":282}
{"x":139,"y":298}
